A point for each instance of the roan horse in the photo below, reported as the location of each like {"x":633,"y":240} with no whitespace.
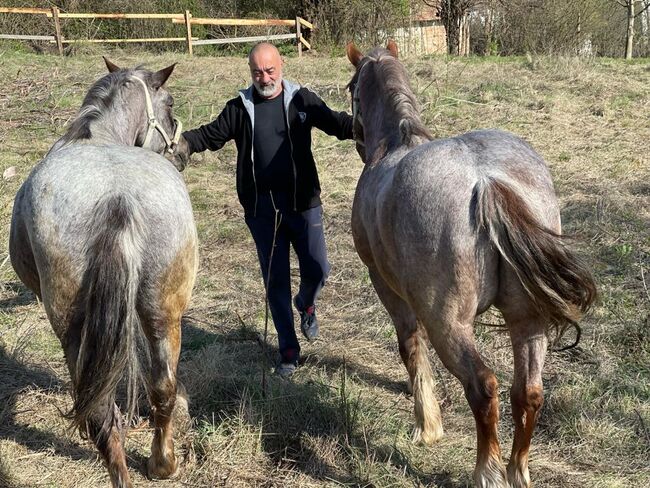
{"x":448,"y":228}
{"x":103,"y":233}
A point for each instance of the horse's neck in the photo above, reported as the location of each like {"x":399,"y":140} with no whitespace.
{"x":119,"y":125}
{"x":110,"y":131}
{"x":383,"y":134}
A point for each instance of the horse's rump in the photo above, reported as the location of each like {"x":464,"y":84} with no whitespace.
{"x":554,"y":278}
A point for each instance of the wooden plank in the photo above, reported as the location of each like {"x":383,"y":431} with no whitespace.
{"x":305,"y":23}
{"x":298,"y":36}
{"x":188,"y":29}
{"x":304,"y":41}
{"x":234,"y":40}
{"x":27,"y":38}
{"x":57,"y":30}
{"x":204,"y":21}
{"x":41,"y":11}
{"x":178,"y":17}
{"x":148,"y":39}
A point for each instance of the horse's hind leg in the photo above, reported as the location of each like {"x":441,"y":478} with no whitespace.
{"x":454,"y":342}
{"x":110,"y":442}
{"x":413,"y":350}
{"x":162,"y":326}
{"x":112,"y":447}
{"x":529,"y":343}
{"x":164,"y":341}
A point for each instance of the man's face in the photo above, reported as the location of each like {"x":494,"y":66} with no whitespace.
{"x":266,"y":72}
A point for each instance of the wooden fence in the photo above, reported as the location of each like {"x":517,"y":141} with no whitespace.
{"x":185,"y":18}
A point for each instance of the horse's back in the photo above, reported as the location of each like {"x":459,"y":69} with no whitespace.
{"x":70,"y":198}
{"x":444,"y":174}
{"x":69,"y":183}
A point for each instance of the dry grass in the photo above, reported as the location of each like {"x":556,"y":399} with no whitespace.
{"x":346,"y":418}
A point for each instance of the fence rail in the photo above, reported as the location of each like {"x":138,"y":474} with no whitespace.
{"x":185,"y":18}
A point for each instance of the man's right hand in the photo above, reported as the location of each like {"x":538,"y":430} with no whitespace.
{"x":181,"y":155}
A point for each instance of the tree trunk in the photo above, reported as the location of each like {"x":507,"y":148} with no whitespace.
{"x":489,"y":29}
{"x":645,"y":28}
{"x":579,"y":35}
{"x":453,"y":14}
{"x":464,"y":36}
{"x":630,"y":29}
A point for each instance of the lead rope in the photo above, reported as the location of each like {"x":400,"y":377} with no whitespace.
{"x":277,"y":219}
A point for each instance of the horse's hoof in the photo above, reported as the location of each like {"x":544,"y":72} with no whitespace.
{"x":162,"y":470}
{"x":426,"y":437}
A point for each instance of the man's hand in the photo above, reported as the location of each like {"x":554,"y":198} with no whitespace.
{"x":181,"y":155}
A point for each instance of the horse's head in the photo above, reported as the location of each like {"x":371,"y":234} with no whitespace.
{"x":359,"y":61}
{"x":157,"y":128}
{"x":384,"y":107}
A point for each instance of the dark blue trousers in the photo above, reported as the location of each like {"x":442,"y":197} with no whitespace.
{"x":304,"y":232}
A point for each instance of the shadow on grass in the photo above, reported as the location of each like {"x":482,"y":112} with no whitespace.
{"x":15,"y":377}
{"x":21,"y":296}
{"x":300,"y":423}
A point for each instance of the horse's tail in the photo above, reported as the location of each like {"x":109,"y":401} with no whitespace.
{"x":110,"y":329}
{"x":558,"y":283}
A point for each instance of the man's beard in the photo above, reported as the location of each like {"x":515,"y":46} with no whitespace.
{"x":267,"y":90}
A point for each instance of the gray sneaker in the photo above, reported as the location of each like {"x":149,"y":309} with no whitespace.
{"x":287,"y":363}
{"x":308,"y":322}
{"x":285,"y":370}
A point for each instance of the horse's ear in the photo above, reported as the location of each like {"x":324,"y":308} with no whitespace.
{"x":354,"y":55}
{"x":111,"y":67}
{"x":159,"y":78}
{"x":392,"y":47}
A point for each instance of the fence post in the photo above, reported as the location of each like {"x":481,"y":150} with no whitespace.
{"x":298,"y":35}
{"x":57,"y":30}
{"x":188,"y":28}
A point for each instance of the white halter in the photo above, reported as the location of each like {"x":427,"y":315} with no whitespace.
{"x":153,"y":124}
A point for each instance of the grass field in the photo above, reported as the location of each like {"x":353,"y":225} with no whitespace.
{"x":346,"y":418}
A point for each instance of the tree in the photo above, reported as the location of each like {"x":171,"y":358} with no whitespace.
{"x":454,"y":14}
{"x":631,"y":16}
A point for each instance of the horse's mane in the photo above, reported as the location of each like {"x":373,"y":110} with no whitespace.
{"x":98,"y":101}
{"x":391,"y":82}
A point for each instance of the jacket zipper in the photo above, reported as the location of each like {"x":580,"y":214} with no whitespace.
{"x":253,"y":160}
{"x":293,"y":163}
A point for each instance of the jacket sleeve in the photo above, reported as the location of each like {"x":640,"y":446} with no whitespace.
{"x":334,"y":123}
{"x":214,"y":135}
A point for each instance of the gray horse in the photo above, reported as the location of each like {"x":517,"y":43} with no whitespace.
{"x":103,"y":233}
{"x":448,"y":228}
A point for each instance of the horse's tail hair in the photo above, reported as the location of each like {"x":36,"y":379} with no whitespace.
{"x":110,"y":329}
{"x":558,"y":283}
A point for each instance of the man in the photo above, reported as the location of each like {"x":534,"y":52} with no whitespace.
{"x":278,"y":186}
